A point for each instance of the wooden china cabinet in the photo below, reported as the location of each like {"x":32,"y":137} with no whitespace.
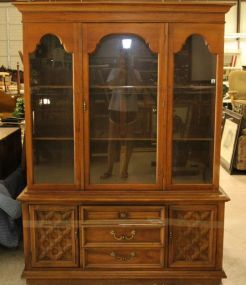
{"x":123,"y":115}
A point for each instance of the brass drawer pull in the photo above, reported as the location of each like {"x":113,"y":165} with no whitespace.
{"x":170,"y":235}
{"x":123,"y":215}
{"x":124,"y":236}
{"x":123,"y":258}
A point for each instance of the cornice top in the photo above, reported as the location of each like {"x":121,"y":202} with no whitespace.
{"x":127,"y":6}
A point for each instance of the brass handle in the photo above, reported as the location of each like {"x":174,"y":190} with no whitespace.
{"x":84,"y":106}
{"x":124,"y":236}
{"x":170,"y":235}
{"x":123,"y":258}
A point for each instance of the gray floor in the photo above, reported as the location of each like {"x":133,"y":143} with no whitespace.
{"x":12,"y":263}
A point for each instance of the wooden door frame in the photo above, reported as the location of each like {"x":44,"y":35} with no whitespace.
{"x":178,"y":35}
{"x":32,"y":35}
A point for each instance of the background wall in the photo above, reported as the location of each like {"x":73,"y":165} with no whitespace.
{"x":10,"y":36}
{"x":233,"y":45}
{"x":243,"y":30}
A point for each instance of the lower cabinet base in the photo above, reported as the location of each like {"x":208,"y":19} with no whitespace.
{"x":96,"y":244}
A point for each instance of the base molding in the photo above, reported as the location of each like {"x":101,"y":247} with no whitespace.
{"x":147,"y":274}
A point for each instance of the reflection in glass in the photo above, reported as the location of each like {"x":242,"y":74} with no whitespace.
{"x":193,"y":113}
{"x":52,"y":112}
{"x":123,"y":98}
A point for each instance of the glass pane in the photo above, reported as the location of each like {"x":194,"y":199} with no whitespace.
{"x":193,"y":113}
{"x":52,"y":112}
{"x":123,"y":116}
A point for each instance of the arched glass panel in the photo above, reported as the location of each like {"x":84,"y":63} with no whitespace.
{"x":123,"y":116}
{"x":51,"y":87}
{"x":193,"y":113}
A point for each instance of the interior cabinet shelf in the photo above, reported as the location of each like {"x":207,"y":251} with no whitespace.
{"x":122,"y":87}
{"x":53,"y":138}
{"x":36,"y":87}
{"x":123,"y":139}
{"x":194,"y":86}
{"x":192,"y":139}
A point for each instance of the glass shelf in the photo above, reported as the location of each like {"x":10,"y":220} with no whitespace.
{"x":192,"y":139}
{"x":53,"y":138}
{"x":34,"y":87}
{"x":122,"y":87}
{"x":123,"y":139}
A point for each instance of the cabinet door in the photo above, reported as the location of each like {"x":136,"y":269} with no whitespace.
{"x":51,"y":105}
{"x":123,"y":142}
{"x":192,"y":236}
{"x":195,"y":66}
{"x":53,"y":232}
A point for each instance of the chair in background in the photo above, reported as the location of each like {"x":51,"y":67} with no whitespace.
{"x":237,"y":86}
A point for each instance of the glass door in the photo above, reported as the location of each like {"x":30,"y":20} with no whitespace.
{"x":193,"y":110}
{"x":123,"y":112}
{"x":51,"y":91}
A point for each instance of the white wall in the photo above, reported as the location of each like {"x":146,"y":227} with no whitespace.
{"x":10,"y":36}
{"x":243,"y":30}
{"x":231,"y":21}
{"x":230,"y":27}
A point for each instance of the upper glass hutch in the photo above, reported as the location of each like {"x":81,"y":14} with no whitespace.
{"x":136,"y":124}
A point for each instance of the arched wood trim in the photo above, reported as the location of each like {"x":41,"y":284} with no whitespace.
{"x":38,"y":31}
{"x":53,"y":35}
{"x":199,"y":35}
{"x":149,"y":33}
{"x":148,"y":44}
{"x":212,"y":40}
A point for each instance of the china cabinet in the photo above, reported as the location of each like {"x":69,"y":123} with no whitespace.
{"x":123,"y":108}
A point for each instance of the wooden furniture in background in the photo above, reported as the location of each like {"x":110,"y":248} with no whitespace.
{"x":10,"y":150}
{"x":159,"y":212}
{"x":7,"y":104}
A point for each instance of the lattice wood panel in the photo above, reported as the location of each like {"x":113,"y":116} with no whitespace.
{"x":53,"y":236}
{"x":191,"y":236}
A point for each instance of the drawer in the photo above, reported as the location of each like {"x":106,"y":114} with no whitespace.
{"x":111,"y":214}
{"x":123,"y":258}
{"x":107,"y":235}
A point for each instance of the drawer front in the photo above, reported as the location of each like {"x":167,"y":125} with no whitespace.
{"x":123,"y":258}
{"x":122,"y":234}
{"x":146,"y":214}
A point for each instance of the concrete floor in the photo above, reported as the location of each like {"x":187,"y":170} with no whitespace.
{"x":235,"y":228}
{"x":12,"y":262}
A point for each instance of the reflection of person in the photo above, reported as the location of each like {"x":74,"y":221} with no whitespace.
{"x":122,"y":114}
